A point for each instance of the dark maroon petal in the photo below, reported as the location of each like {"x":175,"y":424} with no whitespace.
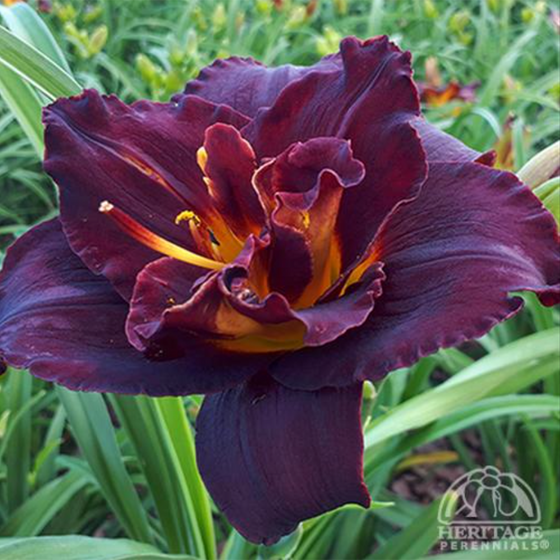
{"x":297,"y":170}
{"x":229,"y":164}
{"x":442,"y":147}
{"x":247,"y":85}
{"x":302,"y":190}
{"x":369,"y":99}
{"x":171,"y":298}
{"x":272,"y":457}
{"x":451,"y":258}
{"x":67,"y":325}
{"x":141,"y":158}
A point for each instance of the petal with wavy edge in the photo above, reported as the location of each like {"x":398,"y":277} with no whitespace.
{"x":141,"y":158}
{"x":451,"y":256}
{"x":66,"y":325}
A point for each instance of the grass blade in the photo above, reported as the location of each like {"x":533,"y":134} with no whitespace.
{"x":18,"y":455}
{"x":417,"y":538}
{"x":32,"y":516}
{"x":35,"y":67}
{"x":507,"y":370}
{"x":148,"y":434}
{"x":79,"y":548}
{"x":92,"y":428}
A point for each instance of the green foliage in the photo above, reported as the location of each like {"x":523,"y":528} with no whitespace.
{"x":82,"y":464}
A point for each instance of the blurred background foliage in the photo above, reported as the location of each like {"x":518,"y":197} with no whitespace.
{"x":92,"y":465}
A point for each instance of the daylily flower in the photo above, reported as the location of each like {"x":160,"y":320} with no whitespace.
{"x":273,"y":237}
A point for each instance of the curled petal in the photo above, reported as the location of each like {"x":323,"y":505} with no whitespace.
{"x":368,"y":98}
{"x":227,"y":309}
{"x":98,"y":148}
{"x":452,"y":256}
{"x":302,"y":190}
{"x":272,"y":457}
{"x":228,"y":162}
{"x":66,"y":325}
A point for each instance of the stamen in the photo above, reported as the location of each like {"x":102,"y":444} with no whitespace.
{"x":306,"y":219}
{"x":153,"y":241}
{"x":188,"y":216}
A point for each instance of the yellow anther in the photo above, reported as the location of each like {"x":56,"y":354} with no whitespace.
{"x":306,"y":219}
{"x":150,"y":239}
{"x":187,"y":216}
{"x":202,"y":158}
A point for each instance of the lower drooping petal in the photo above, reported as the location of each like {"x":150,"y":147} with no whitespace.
{"x":451,"y":256}
{"x":67,"y":325}
{"x":272,"y":457}
{"x":141,"y":158}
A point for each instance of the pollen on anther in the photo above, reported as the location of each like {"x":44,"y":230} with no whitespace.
{"x":187,"y":216}
{"x":105,"y":206}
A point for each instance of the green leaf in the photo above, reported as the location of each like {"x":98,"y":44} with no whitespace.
{"x":23,"y":21}
{"x":18,"y":455}
{"x":549,"y":193}
{"x":22,"y":101}
{"x":148,"y":433}
{"x":505,"y":371}
{"x":24,"y":104}
{"x":417,"y":538}
{"x":465,"y":417}
{"x":80,"y":548}
{"x":35,"y":67}
{"x":34,"y":514}
{"x":92,"y":428}
{"x":182,"y":438}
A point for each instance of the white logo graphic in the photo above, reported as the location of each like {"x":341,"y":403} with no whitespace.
{"x":486,"y":509}
{"x":508,"y":499}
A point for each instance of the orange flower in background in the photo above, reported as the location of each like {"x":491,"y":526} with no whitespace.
{"x":435,"y":93}
{"x":44,"y":6}
{"x":503,"y":148}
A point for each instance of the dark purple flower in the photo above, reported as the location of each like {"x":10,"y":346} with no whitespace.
{"x":273,"y":237}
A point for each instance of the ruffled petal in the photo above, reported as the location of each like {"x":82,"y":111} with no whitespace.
{"x":141,"y":158}
{"x":452,"y":256}
{"x":246,"y":85}
{"x":272,"y":457}
{"x":67,"y":325}
{"x":369,"y":99}
{"x":227,"y":310}
{"x":302,"y":191}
